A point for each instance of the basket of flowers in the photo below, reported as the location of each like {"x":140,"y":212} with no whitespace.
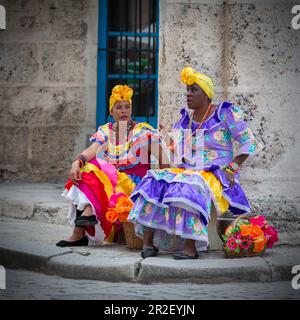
{"x":248,"y":236}
{"x":118,"y":211}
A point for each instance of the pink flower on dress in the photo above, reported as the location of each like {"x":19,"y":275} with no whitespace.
{"x":198,"y":226}
{"x":218,"y":135}
{"x":211,"y":155}
{"x":148,"y":208}
{"x":178,"y":219}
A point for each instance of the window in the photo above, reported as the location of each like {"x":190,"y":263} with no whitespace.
{"x":128,"y":54}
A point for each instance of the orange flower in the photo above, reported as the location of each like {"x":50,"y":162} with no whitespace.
{"x":259,"y":244}
{"x":256,"y":231}
{"x":111,"y":215}
{"x":250,"y":230}
{"x":123,"y":208}
{"x":123,"y":204}
{"x":246,"y":230}
{"x":123,"y":216}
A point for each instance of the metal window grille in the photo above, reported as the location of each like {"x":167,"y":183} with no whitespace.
{"x":128,"y":54}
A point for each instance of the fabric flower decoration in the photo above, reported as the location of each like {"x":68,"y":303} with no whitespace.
{"x":245,"y":241}
{"x":249,"y":236}
{"x":111,"y":215}
{"x":123,"y":208}
{"x":271,"y":235}
{"x":114,"y":199}
{"x":258,"y":221}
{"x":231,"y":244}
{"x":259,"y":244}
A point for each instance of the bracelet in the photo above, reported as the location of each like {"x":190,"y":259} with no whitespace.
{"x":82,"y":160}
{"x":233,"y":166}
{"x":228,"y":170}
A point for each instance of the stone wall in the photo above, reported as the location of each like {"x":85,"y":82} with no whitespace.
{"x":251,"y":51}
{"x":48,"y":56}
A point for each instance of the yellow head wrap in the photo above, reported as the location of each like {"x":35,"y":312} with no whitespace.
{"x":119,"y":93}
{"x":190,"y":76}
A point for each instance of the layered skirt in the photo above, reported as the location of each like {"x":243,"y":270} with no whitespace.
{"x":98,"y":184}
{"x":177,"y":204}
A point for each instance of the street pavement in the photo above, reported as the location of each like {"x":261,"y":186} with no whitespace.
{"x":27,"y":285}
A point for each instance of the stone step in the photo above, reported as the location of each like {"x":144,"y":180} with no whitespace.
{"x":31,"y":245}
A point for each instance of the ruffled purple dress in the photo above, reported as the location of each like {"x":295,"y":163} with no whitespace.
{"x":177,"y":202}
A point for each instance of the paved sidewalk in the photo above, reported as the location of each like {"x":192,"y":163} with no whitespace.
{"x":31,"y":245}
{"x":33,"y":219}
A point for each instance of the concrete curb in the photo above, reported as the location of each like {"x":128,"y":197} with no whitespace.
{"x":30,"y":244}
{"x":204,"y":271}
{"x":72,"y":264}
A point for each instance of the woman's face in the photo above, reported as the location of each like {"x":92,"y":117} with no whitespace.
{"x":122,"y":111}
{"x":195,"y":97}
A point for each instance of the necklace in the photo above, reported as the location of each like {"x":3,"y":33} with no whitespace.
{"x":204,"y":118}
{"x":189,"y":138}
{"x":115,"y":129}
{"x":129,"y":126}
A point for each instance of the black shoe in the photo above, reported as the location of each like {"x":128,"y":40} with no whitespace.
{"x":85,"y":221}
{"x":183,"y":256}
{"x":149,"y":252}
{"x":81,"y":242}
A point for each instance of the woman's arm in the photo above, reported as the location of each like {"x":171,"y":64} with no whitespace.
{"x":247,"y":143}
{"x":240,"y":159}
{"x":158,"y":152}
{"x":89,"y":153}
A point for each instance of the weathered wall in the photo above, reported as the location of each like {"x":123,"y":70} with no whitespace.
{"x":253,"y":55}
{"x":47,"y":86}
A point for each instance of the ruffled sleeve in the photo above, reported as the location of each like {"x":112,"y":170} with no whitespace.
{"x":239,"y":130}
{"x":101,"y":135}
{"x":144,"y":134}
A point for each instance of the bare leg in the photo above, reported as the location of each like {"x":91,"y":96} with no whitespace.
{"x":189,"y":247}
{"x":78,"y":233}
{"x":88,"y":211}
{"x":148,"y":238}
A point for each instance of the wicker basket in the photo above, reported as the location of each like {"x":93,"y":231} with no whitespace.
{"x":242,"y":253}
{"x":133,"y":242}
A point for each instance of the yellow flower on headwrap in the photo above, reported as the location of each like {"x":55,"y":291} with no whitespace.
{"x":190,"y":76}
{"x":119,"y":93}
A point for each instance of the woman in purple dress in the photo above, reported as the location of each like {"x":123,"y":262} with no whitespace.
{"x":173,"y":206}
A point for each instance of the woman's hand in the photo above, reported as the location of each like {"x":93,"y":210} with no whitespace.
{"x":230,"y":177}
{"x":75,"y":174}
